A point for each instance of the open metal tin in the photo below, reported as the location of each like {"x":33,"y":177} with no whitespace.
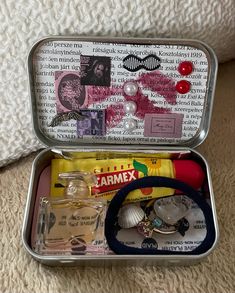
{"x":51,"y":57}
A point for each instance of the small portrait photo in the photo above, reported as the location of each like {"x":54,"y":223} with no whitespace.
{"x":95,"y":70}
{"x":70,"y":94}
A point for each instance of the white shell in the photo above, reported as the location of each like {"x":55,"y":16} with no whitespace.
{"x":130,"y":215}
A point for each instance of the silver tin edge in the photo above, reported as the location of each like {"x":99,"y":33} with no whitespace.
{"x":212,"y":200}
{"x":205,"y":122}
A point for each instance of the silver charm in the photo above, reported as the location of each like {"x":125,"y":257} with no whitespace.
{"x":66,"y":116}
{"x":145,"y":229}
{"x":159,"y":226}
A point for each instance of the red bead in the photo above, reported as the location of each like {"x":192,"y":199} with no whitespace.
{"x":183,"y":86}
{"x":185,"y":68}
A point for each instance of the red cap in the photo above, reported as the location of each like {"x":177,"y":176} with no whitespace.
{"x":189,"y":172}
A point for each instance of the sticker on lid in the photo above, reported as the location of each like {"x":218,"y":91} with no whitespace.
{"x":163,"y":125}
{"x":70,"y":94}
{"x":93,"y":124}
{"x":95,"y":70}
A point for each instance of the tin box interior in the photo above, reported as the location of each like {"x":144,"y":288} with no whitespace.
{"x":112,"y":148}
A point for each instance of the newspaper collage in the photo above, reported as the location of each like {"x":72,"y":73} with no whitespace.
{"x":79,"y":91}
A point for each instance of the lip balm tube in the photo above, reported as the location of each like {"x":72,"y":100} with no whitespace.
{"x":113,"y":174}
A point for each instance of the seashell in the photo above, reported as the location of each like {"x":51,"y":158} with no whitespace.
{"x":130,"y":215}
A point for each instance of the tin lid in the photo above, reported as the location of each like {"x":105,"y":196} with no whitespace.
{"x":99,"y":91}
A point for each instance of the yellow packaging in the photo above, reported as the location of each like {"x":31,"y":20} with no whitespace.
{"x":113,"y":174}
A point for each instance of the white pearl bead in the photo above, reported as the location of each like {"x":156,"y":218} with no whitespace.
{"x":130,"y":88}
{"x":130,"y":124}
{"x":130,"y":107}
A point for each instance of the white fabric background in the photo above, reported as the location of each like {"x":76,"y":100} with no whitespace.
{"x":23,"y":22}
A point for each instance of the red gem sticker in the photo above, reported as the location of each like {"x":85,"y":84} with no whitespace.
{"x":185,"y":68}
{"x":183,"y":86}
